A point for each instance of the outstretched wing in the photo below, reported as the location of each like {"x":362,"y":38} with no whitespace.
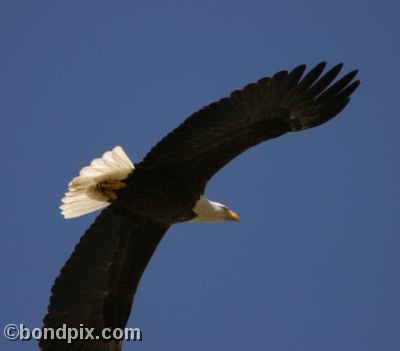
{"x":213,"y":136}
{"x":97,"y":284}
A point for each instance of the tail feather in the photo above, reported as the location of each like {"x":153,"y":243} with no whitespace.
{"x":94,"y":188}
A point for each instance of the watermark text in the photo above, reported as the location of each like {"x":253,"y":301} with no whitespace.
{"x":21,"y":332}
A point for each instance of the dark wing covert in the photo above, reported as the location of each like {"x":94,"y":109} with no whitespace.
{"x":288,"y":101}
{"x":97,"y":284}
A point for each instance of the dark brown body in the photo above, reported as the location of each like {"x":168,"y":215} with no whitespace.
{"x":163,"y":195}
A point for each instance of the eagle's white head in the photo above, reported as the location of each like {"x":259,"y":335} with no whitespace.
{"x":210,"y":211}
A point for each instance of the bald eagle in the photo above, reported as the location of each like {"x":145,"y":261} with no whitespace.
{"x":96,"y":286}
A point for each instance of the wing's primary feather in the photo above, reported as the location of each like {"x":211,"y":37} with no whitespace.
{"x":97,"y":284}
{"x":211,"y":137}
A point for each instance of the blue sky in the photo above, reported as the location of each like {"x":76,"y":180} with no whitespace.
{"x":314,"y":263}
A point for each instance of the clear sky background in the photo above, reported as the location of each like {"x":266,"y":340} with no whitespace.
{"x":314,"y":263}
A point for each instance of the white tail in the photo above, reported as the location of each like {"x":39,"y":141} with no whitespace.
{"x":94,"y":188}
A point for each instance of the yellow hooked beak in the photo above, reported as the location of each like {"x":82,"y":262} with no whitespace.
{"x":232,"y":216}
